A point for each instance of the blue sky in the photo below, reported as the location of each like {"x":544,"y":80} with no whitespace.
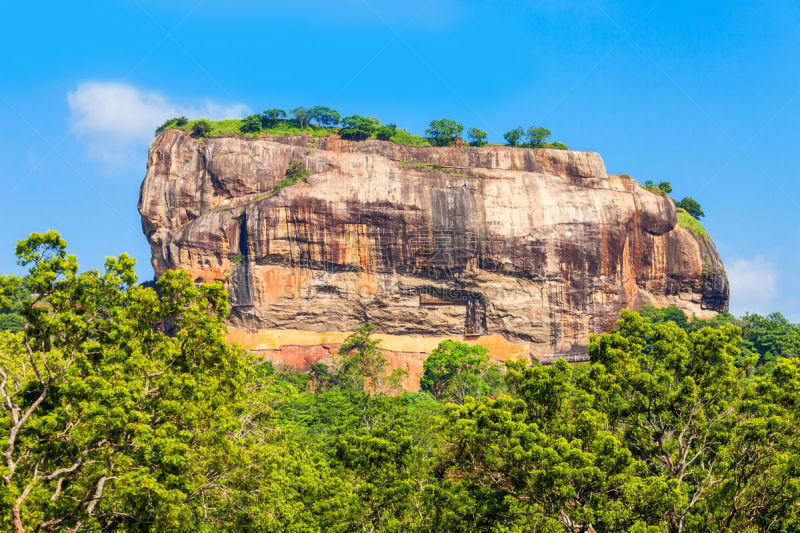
{"x":705,"y":95}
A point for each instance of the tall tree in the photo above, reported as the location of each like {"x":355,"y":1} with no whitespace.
{"x":270,"y":117}
{"x":443,"y":131}
{"x":301,"y":116}
{"x":478,"y":137}
{"x":325,"y":116}
{"x":536,"y":136}
{"x":358,"y":128}
{"x":116,"y":405}
{"x":455,"y":370}
{"x":513,"y":137}
{"x":251,"y":124}
{"x":691,"y":206}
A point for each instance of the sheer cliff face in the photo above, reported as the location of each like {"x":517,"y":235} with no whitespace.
{"x":539,"y":247}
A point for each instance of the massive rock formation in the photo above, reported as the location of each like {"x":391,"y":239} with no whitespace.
{"x":535,"y":246}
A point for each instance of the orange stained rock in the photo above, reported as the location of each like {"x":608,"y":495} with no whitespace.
{"x":300,"y":349}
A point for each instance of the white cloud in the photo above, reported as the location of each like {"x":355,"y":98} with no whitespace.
{"x":754,"y":285}
{"x":116,"y":120}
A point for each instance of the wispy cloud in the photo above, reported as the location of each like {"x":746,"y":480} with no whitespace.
{"x":116,"y":120}
{"x":754,"y":285}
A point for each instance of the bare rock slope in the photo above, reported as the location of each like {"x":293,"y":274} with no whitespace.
{"x":537,"y":247}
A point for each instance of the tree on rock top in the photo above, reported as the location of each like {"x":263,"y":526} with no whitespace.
{"x":691,"y":206}
{"x":358,"y":128}
{"x":477,"y":137}
{"x":270,"y":117}
{"x":325,"y":116}
{"x":443,"y":132}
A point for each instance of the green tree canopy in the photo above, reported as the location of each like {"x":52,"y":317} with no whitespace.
{"x":325,"y":116}
{"x":477,"y":137}
{"x":178,"y":122}
{"x":201,"y":127}
{"x":536,"y":136}
{"x":301,"y":115}
{"x":658,"y":431}
{"x":385,"y":133}
{"x":251,"y":124}
{"x":513,"y":137}
{"x":443,"y":131}
{"x":117,"y":404}
{"x":691,"y":206}
{"x":270,"y":117}
{"x":358,"y":128}
{"x":662,"y":315}
{"x":455,"y":370}
{"x":14,"y":294}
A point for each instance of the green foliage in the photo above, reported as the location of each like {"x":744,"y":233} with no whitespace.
{"x":360,"y":364}
{"x":251,"y":124}
{"x":513,"y":137}
{"x":201,"y":128}
{"x":663,"y":188}
{"x":358,"y":128}
{"x":770,"y":338}
{"x":325,"y":116}
{"x":14,"y":295}
{"x":301,"y":116}
{"x":320,"y":121}
{"x":123,"y":408}
{"x":662,"y":315}
{"x":108,"y":421}
{"x":437,"y":168}
{"x":270,"y":117}
{"x":455,"y":370}
{"x":443,"y":131}
{"x":294,"y":173}
{"x":385,"y":133}
{"x":765,"y":340}
{"x":691,"y":206}
{"x":658,"y":431}
{"x":477,"y":137}
{"x":556,"y":146}
{"x":178,"y":122}
{"x":692,"y":224}
{"x":536,"y":136}
{"x":405,"y":138}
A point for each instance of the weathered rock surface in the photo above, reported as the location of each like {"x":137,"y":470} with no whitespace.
{"x":540,"y":247}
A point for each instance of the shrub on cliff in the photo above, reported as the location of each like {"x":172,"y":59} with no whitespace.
{"x":443,"y":132}
{"x":385,"y":133}
{"x":251,"y":124}
{"x":536,"y":136}
{"x":691,"y":206}
{"x":176,"y":122}
{"x":360,"y":364}
{"x":477,"y":137}
{"x":663,"y":188}
{"x":358,"y":128}
{"x":301,"y":116}
{"x":513,"y":137}
{"x":270,"y":117}
{"x":201,"y":127}
{"x":325,"y":116}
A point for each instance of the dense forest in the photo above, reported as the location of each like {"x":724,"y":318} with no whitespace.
{"x":123,"y":408}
